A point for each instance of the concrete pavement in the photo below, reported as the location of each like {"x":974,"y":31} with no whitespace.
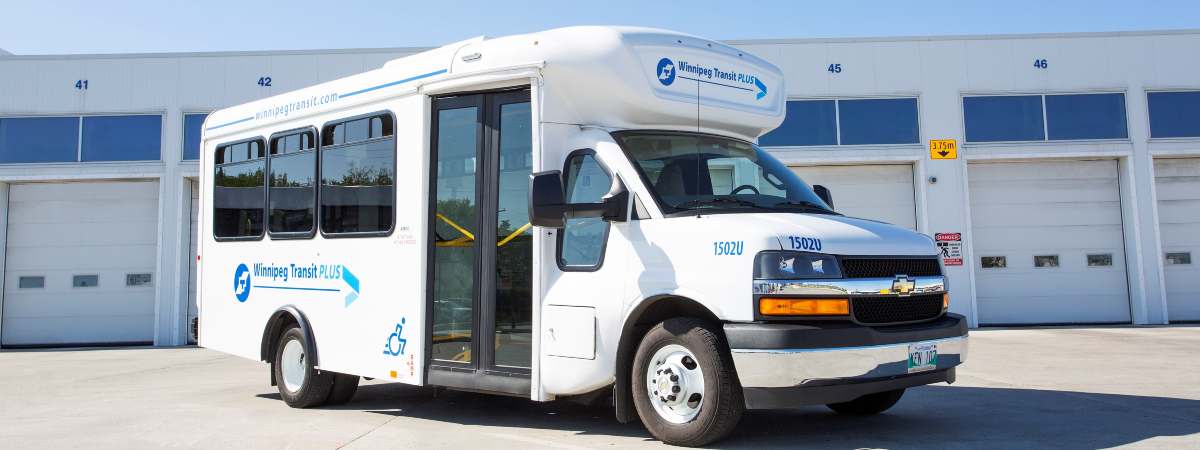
{"x":1068,"y":388}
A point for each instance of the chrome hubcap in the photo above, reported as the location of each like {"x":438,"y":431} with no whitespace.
{"x":293,"y":365}
{"x":675,"y":384}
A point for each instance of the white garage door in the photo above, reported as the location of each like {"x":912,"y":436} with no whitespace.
{"x":1047,"y":241}
{"x":80,"y":264}
{"x":1177,"y":182}
{"x":876,"y":192}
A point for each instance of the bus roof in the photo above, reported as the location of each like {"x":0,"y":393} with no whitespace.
{"x":613,"y":77}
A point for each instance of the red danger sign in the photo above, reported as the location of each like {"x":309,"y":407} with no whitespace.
{"x":950,"y":245}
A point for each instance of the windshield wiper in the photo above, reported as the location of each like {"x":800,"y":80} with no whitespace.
{"x":719,"y":200}
{"x":806,"y":205}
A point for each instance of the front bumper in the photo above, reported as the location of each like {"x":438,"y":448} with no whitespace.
{"x":787,"y":365}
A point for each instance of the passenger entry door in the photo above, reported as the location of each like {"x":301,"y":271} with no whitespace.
{"x":481,"y":251}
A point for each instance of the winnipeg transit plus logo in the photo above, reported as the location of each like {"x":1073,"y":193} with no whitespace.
{"x":241,"y":283}
{"x":667,"y":70}
{"x":296,"y":277}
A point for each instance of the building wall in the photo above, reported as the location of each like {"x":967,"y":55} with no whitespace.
{"x":171,"y":85}
{"x":937,"y":71}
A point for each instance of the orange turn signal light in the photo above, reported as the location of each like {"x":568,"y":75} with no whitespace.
{"x":804,"y":306}
{"x":945,"y":301}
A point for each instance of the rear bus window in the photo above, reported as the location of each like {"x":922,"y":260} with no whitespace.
{"x":358,"y":171}
{"x":239,"y":191}
{"x":291,"y":184}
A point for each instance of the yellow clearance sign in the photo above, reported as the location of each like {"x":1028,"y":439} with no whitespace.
{"x":946,"y":149}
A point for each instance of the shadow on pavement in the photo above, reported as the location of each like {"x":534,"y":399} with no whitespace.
{"x":938,"y":416}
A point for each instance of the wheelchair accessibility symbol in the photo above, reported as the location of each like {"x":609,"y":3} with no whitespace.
{"x":395,"y":344}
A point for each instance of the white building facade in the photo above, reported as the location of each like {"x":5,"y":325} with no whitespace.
{"x":1073,"y":187}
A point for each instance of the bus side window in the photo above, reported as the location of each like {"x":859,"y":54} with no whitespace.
{"x":291,"y":184}
{"x":239,"y":190}
{"x":581,"y":243}
{"x":358,"y":171}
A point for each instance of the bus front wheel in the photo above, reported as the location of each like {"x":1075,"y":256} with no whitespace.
{"x":301,"y":385}
{"x":685,"y":388}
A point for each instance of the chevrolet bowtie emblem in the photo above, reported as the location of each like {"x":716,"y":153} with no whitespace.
{"x":902,"y":285}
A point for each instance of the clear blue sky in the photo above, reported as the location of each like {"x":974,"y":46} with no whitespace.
{"x":64,"y":27}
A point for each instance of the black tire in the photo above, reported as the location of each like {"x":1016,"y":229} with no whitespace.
{"x":314,"y":390}
{"x":723,"y":401}
{"x":344,"y":387}
{"x":869,"y":404}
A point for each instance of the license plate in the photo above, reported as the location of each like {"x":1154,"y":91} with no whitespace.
{"x":922,"y":357}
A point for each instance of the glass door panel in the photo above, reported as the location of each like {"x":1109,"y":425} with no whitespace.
{"x":513,"y":314}
{"x":454,"y":229}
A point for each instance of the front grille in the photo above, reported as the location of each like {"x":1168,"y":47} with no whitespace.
{"x":876,"y":310}
{"x":888,"y":268}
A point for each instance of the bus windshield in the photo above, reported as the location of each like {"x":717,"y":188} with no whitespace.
{"x":690,"y":173}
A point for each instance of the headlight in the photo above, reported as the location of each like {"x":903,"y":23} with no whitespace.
{"x":795,"y":266}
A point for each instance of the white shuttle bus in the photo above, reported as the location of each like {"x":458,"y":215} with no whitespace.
{"x":576,"y":214}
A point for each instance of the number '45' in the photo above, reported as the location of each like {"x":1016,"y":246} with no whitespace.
{"x":264,"y":81}
{"x":835,"y":68}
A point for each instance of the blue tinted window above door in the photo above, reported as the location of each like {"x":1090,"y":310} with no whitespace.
{"x":1086,"y":116}
{"x":121,"y":138}
{"x":39,"y":140}
{"x":1174,"y":114}
{"x":1003,"y":118}
{"x":879,"y":121}
{"x":192,"y":124}
{"x":808,"y":122}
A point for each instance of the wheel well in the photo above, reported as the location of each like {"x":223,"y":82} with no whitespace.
{"x":279,"y":321}
{"x":647,"y":314}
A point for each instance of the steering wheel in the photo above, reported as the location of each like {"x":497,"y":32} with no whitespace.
{"x":744,"y":186}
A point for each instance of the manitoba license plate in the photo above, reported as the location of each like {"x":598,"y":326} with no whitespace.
{"x":922,"y":357}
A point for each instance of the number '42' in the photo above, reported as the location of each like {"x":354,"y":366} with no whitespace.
{"x":264,"y":81}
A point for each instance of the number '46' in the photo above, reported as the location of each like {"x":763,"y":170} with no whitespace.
{"x":835,"y":68}
{"x":1040,"y":63}
{"x":264,"y":81}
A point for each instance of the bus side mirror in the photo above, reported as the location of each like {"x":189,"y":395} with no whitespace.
{"x":548,"y":207}
{"x":824,"y":193}
{"x":546,"y":199}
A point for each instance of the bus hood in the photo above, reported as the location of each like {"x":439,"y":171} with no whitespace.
{"x":836,"y":235}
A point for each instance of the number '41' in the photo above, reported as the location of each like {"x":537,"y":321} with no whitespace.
{"x":81,"y":84}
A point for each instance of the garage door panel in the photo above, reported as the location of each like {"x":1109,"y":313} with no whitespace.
{"x":1054,"y":309}
{"x":76,"y":212}
{"x":76,"y":235}
{"x":80,"y":259}
{"x":58,"y":231}
{"x":147,"y":190}
{"x":80,"y":330}
{"x":877,"y":192}
{"x":1065,"y":191}
{"x":1048,"y":214}
{"x":1177,"y":188}
{"x":1185,"y":212}
{"x":1048,"y":241}
{"x":1065,"y":208}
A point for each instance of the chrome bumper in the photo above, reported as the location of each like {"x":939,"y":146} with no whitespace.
{"x":780,"y":368}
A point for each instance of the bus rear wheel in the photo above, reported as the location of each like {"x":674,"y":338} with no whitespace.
{"x":301,"y":385}
{"x":685,"y":388}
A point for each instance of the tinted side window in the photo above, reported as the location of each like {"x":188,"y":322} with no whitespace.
{"x":879,"y":121}
{"x":1004,"y":118}
{"x":239,"y":191}
{"x":581,"y":243}
{"x":121,"y":138}
{"x":807,"y":122}
{"x":358,"y":170}
{"x":1086,"y":116}
{"x":1172,"y":114}
{"x":292,"y":185}
{"x":192,"y":128}
{"x":39,"y":139}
